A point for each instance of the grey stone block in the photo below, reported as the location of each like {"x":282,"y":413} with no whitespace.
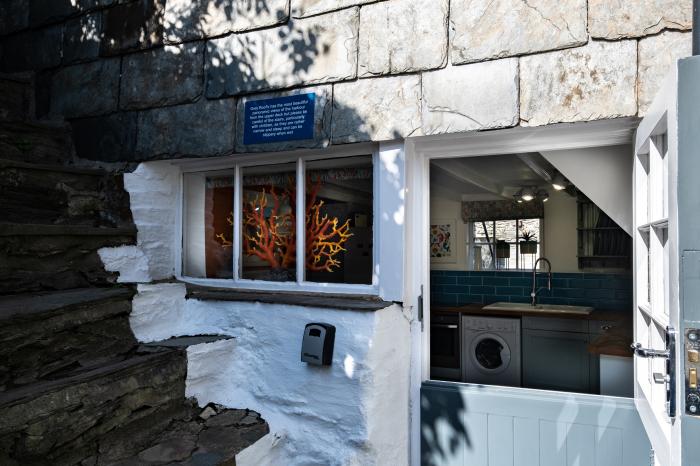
{"x":322,"y":121}
{"x":611,"y":19}
{"x":82,"y":37}
{"x":303,"y":8}
{"x":403,"y":36}
{"x":204,"y":128}
{"x":132,"y":26}
{"x":305,"y":51}
{"x":657,"y":54}
{"x":31,"y":50}
{"x":110,"y":138}
{"x":483,"y":29}
{"x":196,"y":19}
{"x":471,"y":97}
{"x":376,"y":109}
{"x":86,"y":89}
{"x":594,"y":82}
{"x":52,"y":11}
{"x":165,"y":76}
{"x":14,"y":16}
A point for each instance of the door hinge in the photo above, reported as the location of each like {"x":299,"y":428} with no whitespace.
{"x":420,"y":308}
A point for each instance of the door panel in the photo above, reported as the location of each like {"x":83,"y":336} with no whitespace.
{"x":467,"y":425}
{"x":666,"y":236}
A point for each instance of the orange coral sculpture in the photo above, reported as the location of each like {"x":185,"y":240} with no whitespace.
{"x":273,"y":238}
{"x":324,"y":238}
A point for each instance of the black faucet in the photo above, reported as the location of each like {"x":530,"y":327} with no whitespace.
{"x":536,"y":290}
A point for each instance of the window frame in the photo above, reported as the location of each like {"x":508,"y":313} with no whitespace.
{"x":237,"y":163}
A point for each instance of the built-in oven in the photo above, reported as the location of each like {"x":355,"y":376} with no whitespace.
{"x":445,"y":357}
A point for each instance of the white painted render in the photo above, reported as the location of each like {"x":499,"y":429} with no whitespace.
{"x":604,"y":174}
{"x":354,"y":412}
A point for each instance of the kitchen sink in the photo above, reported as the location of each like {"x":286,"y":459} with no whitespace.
{"x":543,"y":308}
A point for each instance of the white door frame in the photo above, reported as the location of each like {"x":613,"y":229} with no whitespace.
{"x":419,"y":151}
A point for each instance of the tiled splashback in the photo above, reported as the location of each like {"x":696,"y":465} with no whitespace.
{"x":602,"y":291}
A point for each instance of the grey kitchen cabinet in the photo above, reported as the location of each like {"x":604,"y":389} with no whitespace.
{"x":558,"y":360}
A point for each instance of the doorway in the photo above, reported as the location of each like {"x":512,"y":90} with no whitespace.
{"x":492,"y":418}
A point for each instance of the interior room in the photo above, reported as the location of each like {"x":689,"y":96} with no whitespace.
{"x":530,"y":270}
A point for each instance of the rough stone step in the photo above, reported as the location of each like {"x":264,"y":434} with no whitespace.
{"x":62,"y":421}
{"x":212,"y":435}
{"x":36,"y":142}
{"x":50,"y":194}
{"x":56,"y":257}
{"x":43,"y":335}
{"x":189,"y":340}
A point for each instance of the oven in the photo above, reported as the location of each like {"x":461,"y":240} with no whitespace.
{"x":445,"y":357}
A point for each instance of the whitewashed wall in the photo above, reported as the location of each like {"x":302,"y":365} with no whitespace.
{"x":353,"y":412}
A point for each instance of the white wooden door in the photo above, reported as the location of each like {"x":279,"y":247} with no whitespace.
{"x":667,"y":267}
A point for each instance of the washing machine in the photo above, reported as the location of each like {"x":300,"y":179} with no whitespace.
{"x":491,"y":350}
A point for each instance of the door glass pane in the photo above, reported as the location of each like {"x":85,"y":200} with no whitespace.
{"x":268,"y":243}
{"x":339,"y":238}
{"x":208,"y":225}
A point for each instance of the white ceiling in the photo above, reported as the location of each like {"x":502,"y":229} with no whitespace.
{"x":488,"y":177}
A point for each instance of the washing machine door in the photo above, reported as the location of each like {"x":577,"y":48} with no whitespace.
{"x":490,"y":354}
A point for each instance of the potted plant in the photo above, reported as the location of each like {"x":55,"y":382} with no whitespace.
{"x":527,"y":243}
{"x":502,"y":249}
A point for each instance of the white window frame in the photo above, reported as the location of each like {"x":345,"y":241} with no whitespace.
{"x":300,"y":158}
{"x":471,"y":243}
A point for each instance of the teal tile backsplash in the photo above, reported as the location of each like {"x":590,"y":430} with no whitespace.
{"x":602,"y":291}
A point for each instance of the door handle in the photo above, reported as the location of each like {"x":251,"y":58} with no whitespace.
{"x":449,"y":326}
{"x":649,"y":353}
{"x":669,"y":379}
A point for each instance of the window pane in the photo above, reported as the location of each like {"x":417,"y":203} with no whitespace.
{"x":268,"y":246}
{"x":339,"y":217}
{"x":208,"y":229}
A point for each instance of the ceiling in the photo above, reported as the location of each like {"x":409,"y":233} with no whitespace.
{"x":489,"y":177}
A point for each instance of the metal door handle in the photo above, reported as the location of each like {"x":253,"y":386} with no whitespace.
{"x":450,"y":326}
{"x":649,"y":353}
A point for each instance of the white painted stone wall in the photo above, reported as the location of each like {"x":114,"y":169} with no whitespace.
{"x":354,"y":412}
{"x":154,"y":195}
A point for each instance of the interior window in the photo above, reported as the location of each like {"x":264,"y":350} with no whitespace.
{"x":505,"y":244}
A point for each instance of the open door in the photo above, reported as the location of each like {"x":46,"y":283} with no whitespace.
{"x":667,"y":268}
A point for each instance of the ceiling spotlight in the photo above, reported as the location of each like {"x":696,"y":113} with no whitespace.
{"x":559,"y":182}
{"x":543,"y":195}
{"x":527,"y":194}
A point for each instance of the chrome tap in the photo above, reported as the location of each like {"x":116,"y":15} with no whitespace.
{"x":536,"y":290}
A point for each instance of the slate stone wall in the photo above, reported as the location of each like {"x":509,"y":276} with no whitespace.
{"x":154,"y":79}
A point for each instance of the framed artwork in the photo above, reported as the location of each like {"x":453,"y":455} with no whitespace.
{"x":442,"y":241}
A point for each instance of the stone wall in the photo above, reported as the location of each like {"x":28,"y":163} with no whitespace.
{"x":153,"y":79}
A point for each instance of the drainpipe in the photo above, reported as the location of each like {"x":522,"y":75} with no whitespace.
{"x":696,"y":27}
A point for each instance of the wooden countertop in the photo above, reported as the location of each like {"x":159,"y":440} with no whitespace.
{"x":614,"y":341}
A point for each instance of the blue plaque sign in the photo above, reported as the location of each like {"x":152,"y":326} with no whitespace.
{"x":288,"y":118}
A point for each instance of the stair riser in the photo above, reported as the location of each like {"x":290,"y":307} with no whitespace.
{"x":67,"y":422}
{"x":45,"y":197}
{"x":46,"y":347}
{"x":35,"y":143}
{"x":33,"y":263}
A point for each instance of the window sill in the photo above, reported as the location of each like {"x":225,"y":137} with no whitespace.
{"x":342,"y":302}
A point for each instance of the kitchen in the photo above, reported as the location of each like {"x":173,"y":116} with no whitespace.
{"x":530,"y":279}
